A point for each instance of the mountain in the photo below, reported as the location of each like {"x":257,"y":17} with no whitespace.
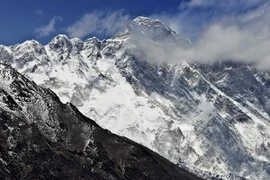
{"x":41,"y":138}
{"x":209,"y":118}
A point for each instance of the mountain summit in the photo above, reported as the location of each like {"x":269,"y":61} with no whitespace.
{"x":147,"y":26}
{"x":208,"y":118}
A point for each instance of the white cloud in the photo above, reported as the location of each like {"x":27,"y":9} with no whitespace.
{"x":99,"y":23}
{"x":195,"y":16}
{"x":242,"y":38}
{"x":49,"y":28}
{"x":39,"y":12}
{"x":224,"y":4}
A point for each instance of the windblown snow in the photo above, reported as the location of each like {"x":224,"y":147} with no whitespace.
{"x":209,"y":117}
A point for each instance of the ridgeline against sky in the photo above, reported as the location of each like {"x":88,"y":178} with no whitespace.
{"x":42,"y":20}
{"x":218,"y":30}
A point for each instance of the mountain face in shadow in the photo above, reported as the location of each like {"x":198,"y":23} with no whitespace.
{"x":210,"y":118}
{"x":41,"y":138}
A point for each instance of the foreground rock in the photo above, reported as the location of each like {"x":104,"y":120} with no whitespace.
{"x":41,"y":138}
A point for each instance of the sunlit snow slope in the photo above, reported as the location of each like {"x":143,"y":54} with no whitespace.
{"x":211,"y":117}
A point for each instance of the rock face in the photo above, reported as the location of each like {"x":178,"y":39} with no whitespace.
{"x":205,"y":117}
{"x":41,"y":138}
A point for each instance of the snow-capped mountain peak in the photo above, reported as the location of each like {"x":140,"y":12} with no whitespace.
{"x":60,"y":42}
{"x":147,"y":26}
{"x":213,"y":117}
{"x":28,"y":46}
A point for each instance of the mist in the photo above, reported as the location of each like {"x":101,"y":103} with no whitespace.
{"x":242,"y":37}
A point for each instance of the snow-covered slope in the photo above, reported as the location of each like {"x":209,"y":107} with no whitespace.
{"x":41,"y":138}
{"x":209,"y":117}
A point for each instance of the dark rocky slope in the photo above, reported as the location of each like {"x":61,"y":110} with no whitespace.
{"x":41,"y":138}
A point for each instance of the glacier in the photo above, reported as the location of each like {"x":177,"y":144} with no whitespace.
{"x":213,"y":118}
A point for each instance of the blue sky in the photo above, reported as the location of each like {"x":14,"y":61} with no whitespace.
{"x":20,"y":18}
{"x":42,"y":20}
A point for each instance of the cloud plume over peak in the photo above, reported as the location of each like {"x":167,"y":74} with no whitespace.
{"x":49,"y":28}
{"x":99,"y":23}
{"x":240,"y":37}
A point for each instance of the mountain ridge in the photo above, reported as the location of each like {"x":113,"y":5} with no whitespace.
{"x":215,"y":117}
{"x":63,"y":143}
